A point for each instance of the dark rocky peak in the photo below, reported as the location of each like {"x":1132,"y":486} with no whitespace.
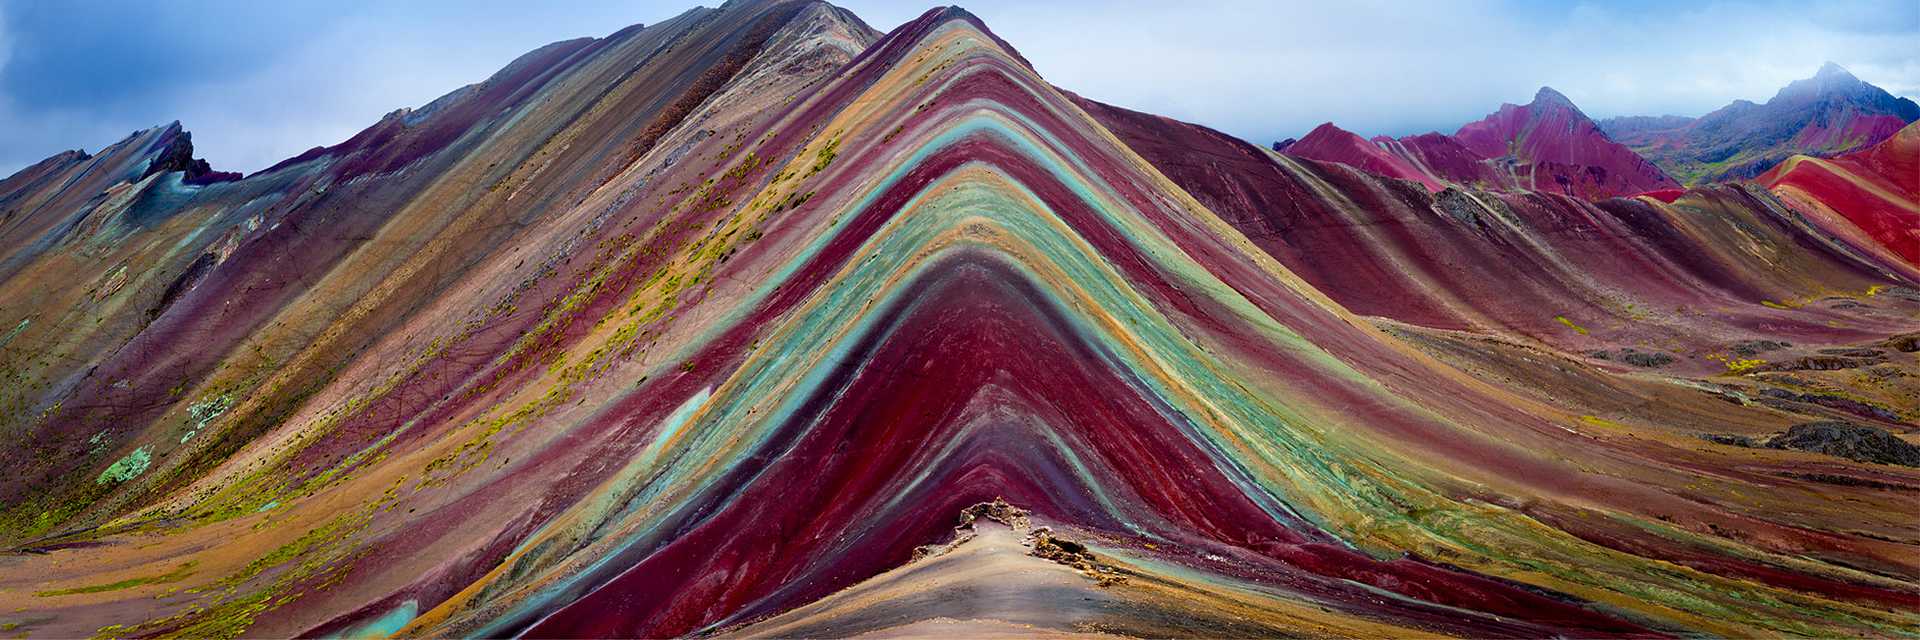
{"x":176,"y":154}
{"x":1547,"y":96}
{"x":1832,"y":71}
{"x":1833,"y":84}
{"x":1550,"y":103}
{"x":1831,"y":79}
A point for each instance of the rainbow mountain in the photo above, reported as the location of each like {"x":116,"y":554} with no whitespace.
{"x":758,"y":322}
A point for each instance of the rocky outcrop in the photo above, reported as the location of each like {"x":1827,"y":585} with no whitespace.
{"x":1836,"y":438}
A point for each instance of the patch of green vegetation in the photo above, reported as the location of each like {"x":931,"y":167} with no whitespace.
{"x":311,"y":562}
{"x":176,"y":575}
{"x":205,"y":411}
{"x":825,"y":155}
{"x":127,"y":468}
{"x":1571,"y":325}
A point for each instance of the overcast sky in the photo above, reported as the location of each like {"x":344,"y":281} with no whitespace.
{"x":257,"y":82}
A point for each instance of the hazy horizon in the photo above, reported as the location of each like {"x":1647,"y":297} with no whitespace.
{"x":258,"y":84}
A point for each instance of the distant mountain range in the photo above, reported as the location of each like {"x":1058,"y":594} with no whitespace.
{"x":1550,"y":145}
{"x":1544,"y":145}
{"x":1828,"y":114}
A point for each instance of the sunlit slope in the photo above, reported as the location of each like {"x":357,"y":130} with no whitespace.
{"x":1872,"y":195}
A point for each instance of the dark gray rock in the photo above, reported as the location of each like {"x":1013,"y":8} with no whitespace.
{"x":1752,"y":348}
{"x":1727,"y":439}
{"x":1647,"y":359}
{"x":1848,"y":440}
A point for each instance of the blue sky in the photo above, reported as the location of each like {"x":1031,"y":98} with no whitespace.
{"x":259,"y":81}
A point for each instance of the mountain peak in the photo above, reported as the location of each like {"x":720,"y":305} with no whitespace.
{"x":1330,"y":143}
{"x":1327,"y":135}
{"x":1552,"y":135}
{"x":1833,"y":71}
{"x":1547,"y":95}
{"x":175,"y":153}
{"x":1830,"y":79}
{"x":937,"y":17}
{"x":1325,"y":129}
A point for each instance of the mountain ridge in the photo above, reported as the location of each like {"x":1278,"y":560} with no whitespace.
{"x":1875,"y":190}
